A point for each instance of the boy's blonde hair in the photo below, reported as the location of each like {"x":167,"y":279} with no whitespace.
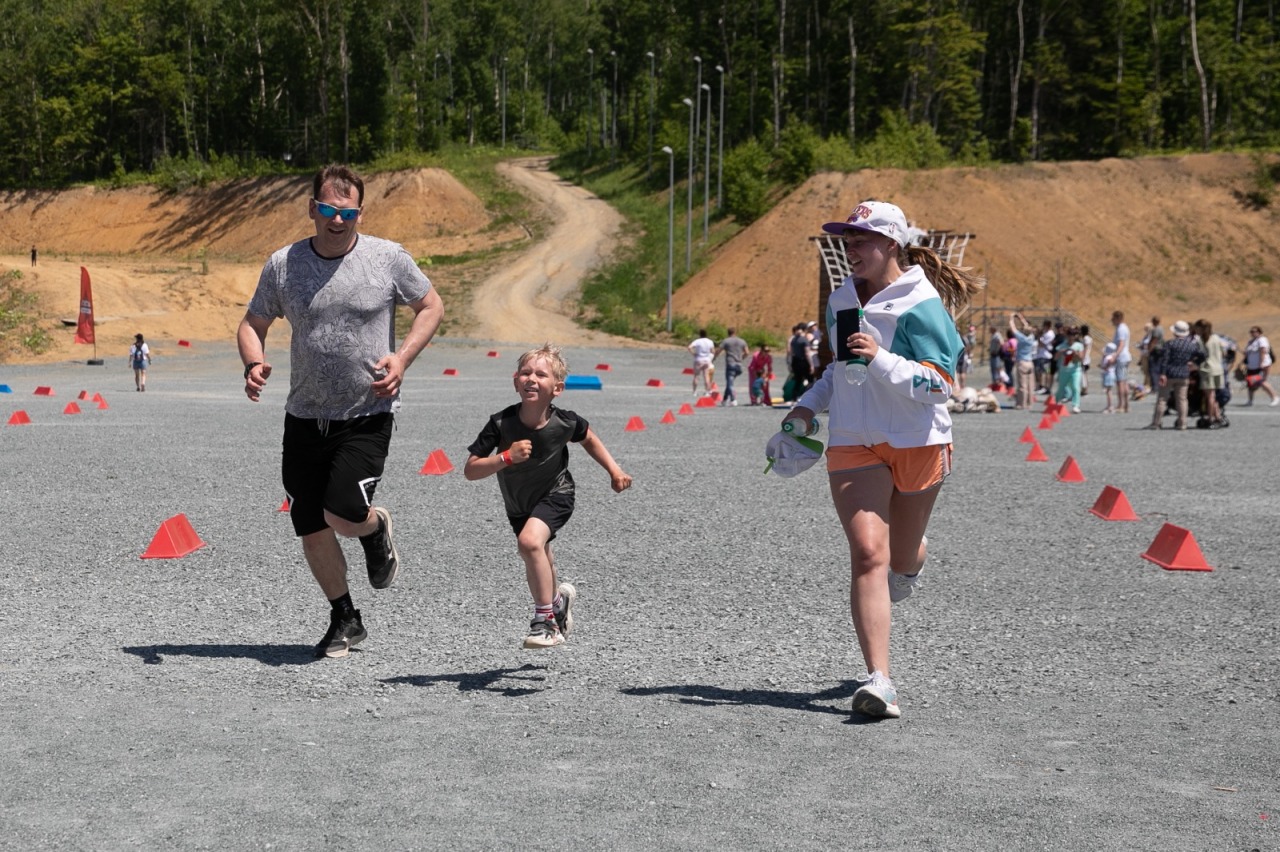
{"x":559,"y":369}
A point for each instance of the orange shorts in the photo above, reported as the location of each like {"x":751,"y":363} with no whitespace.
{"x":914,"y":469}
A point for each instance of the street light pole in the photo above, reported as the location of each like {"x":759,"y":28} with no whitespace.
{"x":720,"y":153}
{"x":688,"y":217}
{"x":706,"y":172}
{"x":613,"y":118}
{"x":652,"y":96}
{"x":503,"y":101}
{"x":671,"y":225}
{"x":697,"y":96}
{"x":591,"y":106}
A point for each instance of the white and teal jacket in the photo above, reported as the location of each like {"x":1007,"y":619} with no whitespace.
{"x":903,"y":400}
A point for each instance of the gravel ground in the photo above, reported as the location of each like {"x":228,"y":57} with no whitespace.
{"x":1058,"y":691}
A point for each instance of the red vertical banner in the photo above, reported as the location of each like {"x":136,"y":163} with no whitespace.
{"x":84,"y":326}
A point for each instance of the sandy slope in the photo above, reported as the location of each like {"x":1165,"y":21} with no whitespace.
{"x":1169,"y":236}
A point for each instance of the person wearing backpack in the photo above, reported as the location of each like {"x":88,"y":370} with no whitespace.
{"x":139,"y":359}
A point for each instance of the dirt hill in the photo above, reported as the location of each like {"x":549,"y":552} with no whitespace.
{"x":1165,"y":236}
{"x":183,"y":265}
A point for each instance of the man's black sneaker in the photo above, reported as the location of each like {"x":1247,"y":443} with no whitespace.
{"x":345,"y":632}
{"x":381,"y":557}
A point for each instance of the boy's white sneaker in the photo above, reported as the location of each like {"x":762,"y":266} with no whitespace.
{"x":543,"y":634}
{"x":564,"y":615}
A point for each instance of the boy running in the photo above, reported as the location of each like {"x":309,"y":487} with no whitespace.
{"x":531,"y":440}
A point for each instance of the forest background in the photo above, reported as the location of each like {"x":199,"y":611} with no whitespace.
{"x":192,"y":90}
{"x":757,"y":102}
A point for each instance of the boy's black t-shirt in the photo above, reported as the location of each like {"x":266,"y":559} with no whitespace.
{"x":547,"y":470}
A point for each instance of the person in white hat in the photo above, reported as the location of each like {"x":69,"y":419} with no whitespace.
{"x":1172,"y":368}
{"x":889,"y":438}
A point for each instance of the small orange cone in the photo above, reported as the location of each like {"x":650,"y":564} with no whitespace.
{"x":450,"y":371}
{"x":44,"y":390}
{"x":437,"y":464}
{"x":284,"y":507}
{"x":1046,"y":422}
{"x":1027,"y":437}
{"x":83,"y":395}
{"x":686,"y":408}
{"x":102,"y":404}
{"x":705,"y":402}
{"x":654,"y":383}
{"x":1112,"y":505}
{"x":186,"y":343}
{"x":668,"y":417}
{"x":1037,"y":453}
{"x":97,"y":397}
{"x":174,"y":538}
{"x":603,"y":368}
{"x":492,"y":354}
{"x":19,"y":418}
{"x":688,"y":371}
{"x":1175,"y":549}
{"x":1070,"y":471}
{"x":71,"y":408}
{"x":635,"y":424}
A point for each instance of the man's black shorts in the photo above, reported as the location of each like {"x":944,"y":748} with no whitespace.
{"x":333,"y":465}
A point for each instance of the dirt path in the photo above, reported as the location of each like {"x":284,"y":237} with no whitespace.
{"x":532,"y":299}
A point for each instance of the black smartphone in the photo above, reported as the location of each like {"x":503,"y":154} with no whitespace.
{"x":847,"y":323}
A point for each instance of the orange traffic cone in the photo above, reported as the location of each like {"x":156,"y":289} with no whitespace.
{"x":686,"y":408}
{"x":1112,"y":505}
{"x":635,"y":424}
{"x":1027,"y":437}
{"x":604,"y":368}
{"x":492,"y":354}
{"x":1046,"y":422}
{"x":71,"y":408}
{"x":19,"y":418}
{"x":437,"y":464}
{"x":284,"y":507}
{"x":451,"y":371}
{"x":1070,"y":471}
{"x":174,"y":538}
{"x":1175,"y":549}
{"x":668,"y":417}
{"x":1037,"y":453}
{"x":654,"y":383}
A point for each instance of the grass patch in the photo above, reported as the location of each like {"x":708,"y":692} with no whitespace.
{"x":20,"y":328}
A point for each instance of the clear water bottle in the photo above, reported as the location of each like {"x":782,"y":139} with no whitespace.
{"x":855,"y":371}
{"x":814,"y":427}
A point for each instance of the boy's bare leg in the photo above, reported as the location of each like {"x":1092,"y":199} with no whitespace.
{"x":534,"y":543}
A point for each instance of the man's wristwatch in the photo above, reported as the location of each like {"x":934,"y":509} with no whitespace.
{"x":248,"y":368}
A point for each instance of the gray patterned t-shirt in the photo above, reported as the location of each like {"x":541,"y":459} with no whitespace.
{"x":342,"y":312}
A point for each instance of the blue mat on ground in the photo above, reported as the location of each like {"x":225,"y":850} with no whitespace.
{"x":582,"y":383}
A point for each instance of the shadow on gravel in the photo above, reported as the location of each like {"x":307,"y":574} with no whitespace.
{"x":489,"y":681}
{"x":715,"y":696}
{"x":272,"y":655}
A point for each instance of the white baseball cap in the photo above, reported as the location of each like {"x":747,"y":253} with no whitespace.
{"x":787,"y":456}
{"x":879,"y":217}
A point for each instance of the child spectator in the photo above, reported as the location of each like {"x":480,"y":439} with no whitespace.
{"x":758,"y":371}
{"x":1108,"y":366}
{"x":531,"y":440}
